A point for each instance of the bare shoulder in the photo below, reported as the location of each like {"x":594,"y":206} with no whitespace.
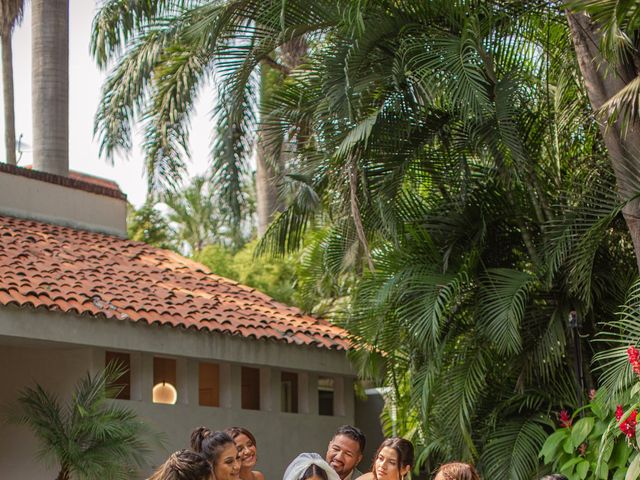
{"x":366,"y":476}
{"x":258,"y":475}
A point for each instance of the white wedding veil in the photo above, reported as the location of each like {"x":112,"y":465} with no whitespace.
{"x":305,"y":460}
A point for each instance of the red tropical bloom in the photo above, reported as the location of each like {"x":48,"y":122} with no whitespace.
{"x":628,"y":427}
{"x":565,"y":419}
{"x":634,"y":359}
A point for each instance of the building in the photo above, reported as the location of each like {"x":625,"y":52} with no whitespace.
{"x":74,"y":293}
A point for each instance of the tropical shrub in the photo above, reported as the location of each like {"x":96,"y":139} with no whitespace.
{"x":87,"y":437}
{"x":588,"y":444}
{"x":599,"y":441}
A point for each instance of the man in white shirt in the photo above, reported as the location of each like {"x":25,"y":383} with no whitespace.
{"x":345,"y":452}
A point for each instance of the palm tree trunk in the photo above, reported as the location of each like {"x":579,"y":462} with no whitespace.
{"x":603,"y":80}
{"x":267,"y":203}
{"x":269,"y":163}
{"x":50,"y":84}
{"x":7,"y":91}
{"x":63,"y":474}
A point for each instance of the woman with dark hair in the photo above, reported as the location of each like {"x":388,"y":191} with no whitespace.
{"x":457,"y":471}
{"x":184,"y":465}
{"x":247,"y":449}
{"x":219,"y":449}
{"x":310,"y":466}
{"x":393,"y":460}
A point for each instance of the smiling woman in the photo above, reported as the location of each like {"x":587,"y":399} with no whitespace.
{"x":247,"y":451}
{"x":392,"y":461}
{"x":219,"y":449}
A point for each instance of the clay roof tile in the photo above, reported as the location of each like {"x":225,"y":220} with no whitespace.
{"x":71,"y":270}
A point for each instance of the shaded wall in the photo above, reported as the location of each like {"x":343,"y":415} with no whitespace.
{"x":367,"y":418}
{"x":280,"y":436}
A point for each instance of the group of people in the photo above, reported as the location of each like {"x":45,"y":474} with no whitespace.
{"x":231,"y":454}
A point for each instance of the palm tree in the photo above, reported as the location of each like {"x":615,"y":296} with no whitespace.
{"x":194,"y":216}
{"x":161,"y":65}
{"x":604,"y":35}
{"x":87,"y":437}
{"x":50,"y":84}
{"x":11,"y":15}
{"x":448,"y":152}
{"x":439,"y":150}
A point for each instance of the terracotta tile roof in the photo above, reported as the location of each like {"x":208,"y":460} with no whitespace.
{"x":64,"y":269}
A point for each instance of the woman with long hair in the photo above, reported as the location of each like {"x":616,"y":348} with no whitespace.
{"x":247,"y":449}
{"x":393,"y":460}
{"x":184,"y":465}
{"x":220,"y":450}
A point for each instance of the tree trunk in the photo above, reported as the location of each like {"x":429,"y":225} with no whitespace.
{"x":269,"y":161}
{"x":603,"y":80}
{"x":7,"y":91}
{"x":267,"y":203}
{"x":50,"y":85}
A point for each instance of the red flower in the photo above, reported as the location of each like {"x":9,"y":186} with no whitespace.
{"x":565,"y":419}
{"x":628,"y":427}
{"x":634,"y":359}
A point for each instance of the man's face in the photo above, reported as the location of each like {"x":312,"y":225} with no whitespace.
{"x":343,"y":455}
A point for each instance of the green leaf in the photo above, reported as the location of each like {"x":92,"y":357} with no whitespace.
{"x":581,"y":430}
{"x":567,"y":446}
{"x":603,"y":471}
{"x":620,"y":455}
{"x":619,"y":475}
{"x":582,"y":469}
{"x":633,"y":471}
{"x":551,"y":444}
{"x":568,"y":467}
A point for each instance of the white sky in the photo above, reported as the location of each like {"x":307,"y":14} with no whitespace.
{"x":84,"y":92}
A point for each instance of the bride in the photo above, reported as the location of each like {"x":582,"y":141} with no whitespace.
{"x":309,"y":466}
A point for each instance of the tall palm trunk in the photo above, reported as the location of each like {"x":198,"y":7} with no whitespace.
{"x":50,"y":84}
{"x":7,"y":93}
{"x":10,"y":16}
{"x":270,"y":163}
{"x":602,"y":81}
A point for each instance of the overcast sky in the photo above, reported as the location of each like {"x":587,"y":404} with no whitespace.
{"x":84,"y":92}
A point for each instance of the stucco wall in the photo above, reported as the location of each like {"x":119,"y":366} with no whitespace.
{"x":30,"y":198}
{"x":280,"y":436}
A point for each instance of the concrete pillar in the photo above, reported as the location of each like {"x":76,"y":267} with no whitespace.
{"x":136,"y":375}
{"x":182,"y":381}
{"x":308,"y":393}
{"x":339,"y":404}
{"x":230,"y":386}
{"x":146,"y":378}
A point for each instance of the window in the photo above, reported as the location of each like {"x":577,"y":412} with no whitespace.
{"x":289,"y":392}
{"x":325,"y":395}
{"x":123,"y":382}
{"x":209,"y":384}
{"x":164,"y":380}
{"x":250,"y":381}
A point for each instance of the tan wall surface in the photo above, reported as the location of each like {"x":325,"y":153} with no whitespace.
{"x":280,"y":436}
{"x":30,"y":198}
{"x":128,"y":335}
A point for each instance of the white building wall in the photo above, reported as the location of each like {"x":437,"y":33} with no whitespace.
{"x":280,"y":436}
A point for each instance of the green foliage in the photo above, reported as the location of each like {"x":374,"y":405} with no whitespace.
{"x":87,"y":437}
{"x":219,"y":259}
{"x":273,"y":276}
{"x":450,"y":196}
{"x":148,"y":225}
{"x":593,"y":447}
